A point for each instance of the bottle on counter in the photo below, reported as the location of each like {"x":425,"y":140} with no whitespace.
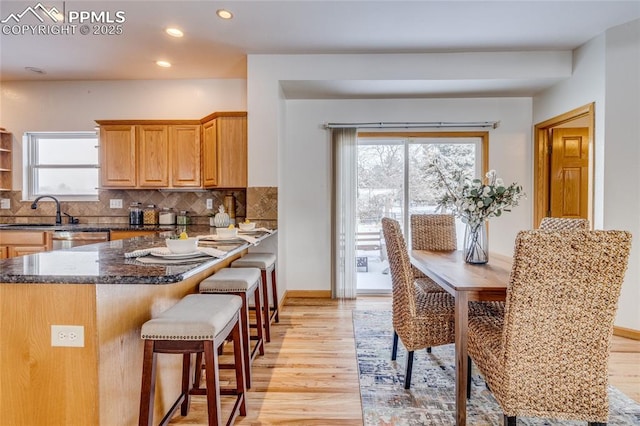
{"x":150,"y":215}
{"x":183,"y":218}
{"x":135,"y":214}
{"x":167,"y":216}
{"x":230,"y":207}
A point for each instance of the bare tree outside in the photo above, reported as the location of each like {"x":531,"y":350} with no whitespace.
{"x":384,"y":165}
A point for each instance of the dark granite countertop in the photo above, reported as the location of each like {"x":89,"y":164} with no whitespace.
{"x":105,"y":263}
{"x":94,"y":227}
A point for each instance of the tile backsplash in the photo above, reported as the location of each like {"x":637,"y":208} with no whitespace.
{"x":100,"y":212}
{"x":259,"y":204}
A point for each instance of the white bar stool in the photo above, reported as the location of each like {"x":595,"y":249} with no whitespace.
{"x":244,"y":283}
{"x":266,"y":262}
{"x":195,"y":324}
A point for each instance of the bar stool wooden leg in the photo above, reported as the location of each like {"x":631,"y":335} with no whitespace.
{"x":213,"y":382}
{"x":265,"y":306}
{"x":148,"y":384}
{"x":274,"y":288}
{"x":258,"y":294}
{"x":244,"y":319}
{"x":241,"y":377}
{"x":186,"y":374}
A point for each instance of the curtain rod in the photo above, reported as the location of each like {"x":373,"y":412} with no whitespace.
{"x":413,"y":125}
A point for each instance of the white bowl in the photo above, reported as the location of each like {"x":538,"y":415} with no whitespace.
{"x":247,"y":226}
{"x":227,"y":233}
{"x":190,"y":245}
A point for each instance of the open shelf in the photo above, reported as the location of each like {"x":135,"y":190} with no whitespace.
{"x":6,"y":166}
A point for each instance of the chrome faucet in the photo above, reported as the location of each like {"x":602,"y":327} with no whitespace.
{"x":58,"y":216}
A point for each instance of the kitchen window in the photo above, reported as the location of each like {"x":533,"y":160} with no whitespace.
{"x":63,"y":164}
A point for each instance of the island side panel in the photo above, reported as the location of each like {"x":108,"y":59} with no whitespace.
{"x":41,"y":384}
{"x":121,"y":311}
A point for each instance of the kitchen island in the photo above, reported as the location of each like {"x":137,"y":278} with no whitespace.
{"x":110,"y":296}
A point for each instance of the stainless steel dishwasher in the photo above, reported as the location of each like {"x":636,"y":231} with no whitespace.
{"x":68,"y":239}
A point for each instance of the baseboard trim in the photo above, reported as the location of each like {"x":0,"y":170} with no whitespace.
{"x":626,"y":332}
{"x":316,"y":294}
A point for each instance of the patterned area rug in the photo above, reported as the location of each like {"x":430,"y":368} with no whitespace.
{"x":431,"y":399}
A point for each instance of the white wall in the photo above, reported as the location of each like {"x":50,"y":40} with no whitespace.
{"x":305,"y":181}
{"x":265,"y":72}
{"x":75,"y":105}
{"x":607,"y":72}
{"x":585,"y":86}
{"x":622,"y":156}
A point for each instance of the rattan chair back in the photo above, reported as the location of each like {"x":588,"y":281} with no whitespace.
{"x":433,"y":232}
{"x":563,"y":223}
{"x":403,"y":289}
{"x":558,"y":321}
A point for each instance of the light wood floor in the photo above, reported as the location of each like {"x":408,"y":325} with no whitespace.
{"x":309,"y":374}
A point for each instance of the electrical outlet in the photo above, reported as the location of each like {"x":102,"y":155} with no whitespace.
{"x":209,"y":203}
{"x":5,"y":203}
{"x":67,"y":335}
{"x":115,"y":203}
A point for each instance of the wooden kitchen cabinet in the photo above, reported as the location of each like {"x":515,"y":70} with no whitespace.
{"x":164,"y":154}
{"x":209,"y":154}
{"x":123,"y":235}
{"x":224,"y":150}
{"x":19,"y":243}
{"x":6,"y":152}
{"x":185,"y":156}
{"x":153,"y":156}
{"x":118,"y":156}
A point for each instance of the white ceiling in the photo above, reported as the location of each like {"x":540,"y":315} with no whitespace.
{"x":217,"y":49}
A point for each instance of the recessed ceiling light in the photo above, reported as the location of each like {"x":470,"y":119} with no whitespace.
{"x":35,"y":70}
{"x":174,"y":32}
{"x":224,"y":14}
{"x":163,"y":64}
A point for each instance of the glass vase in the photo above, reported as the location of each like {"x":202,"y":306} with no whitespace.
{"x":476,"y":247}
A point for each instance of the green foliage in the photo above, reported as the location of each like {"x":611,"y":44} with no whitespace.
{"x":472,"y":200}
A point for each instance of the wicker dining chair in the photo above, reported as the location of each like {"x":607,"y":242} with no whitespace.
{"x":420,"y":321}
{"x":563,"y":223}
{"x":547,"y":355}
{"x":432,"y":232}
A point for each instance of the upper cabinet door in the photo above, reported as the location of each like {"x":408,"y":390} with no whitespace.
{"x":209,"y":154}
{"x":153,"y":156}
{"x":117,"y":156}
{"x":232,"y":152}
{"x":185,"y":157}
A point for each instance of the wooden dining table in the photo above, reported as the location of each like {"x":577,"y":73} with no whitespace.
{"x":465,"y":282}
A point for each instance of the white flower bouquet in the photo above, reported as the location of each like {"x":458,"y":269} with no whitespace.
{"x":474,"y":201}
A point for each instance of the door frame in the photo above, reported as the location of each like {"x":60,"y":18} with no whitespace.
{"x":542,"y":159}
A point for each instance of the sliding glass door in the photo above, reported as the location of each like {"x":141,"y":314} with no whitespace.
{"x":393,"y":181}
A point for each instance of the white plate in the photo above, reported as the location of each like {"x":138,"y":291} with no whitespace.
{"x":220,"y":239}
{"x":165,"y":254}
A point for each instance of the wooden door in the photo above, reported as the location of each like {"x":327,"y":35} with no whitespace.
{"x":153,"y":156}
{"x":209,"y":154}
{"x":117,"y":156}
{"x":185,"y":158}
{"x":569,"y":172}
